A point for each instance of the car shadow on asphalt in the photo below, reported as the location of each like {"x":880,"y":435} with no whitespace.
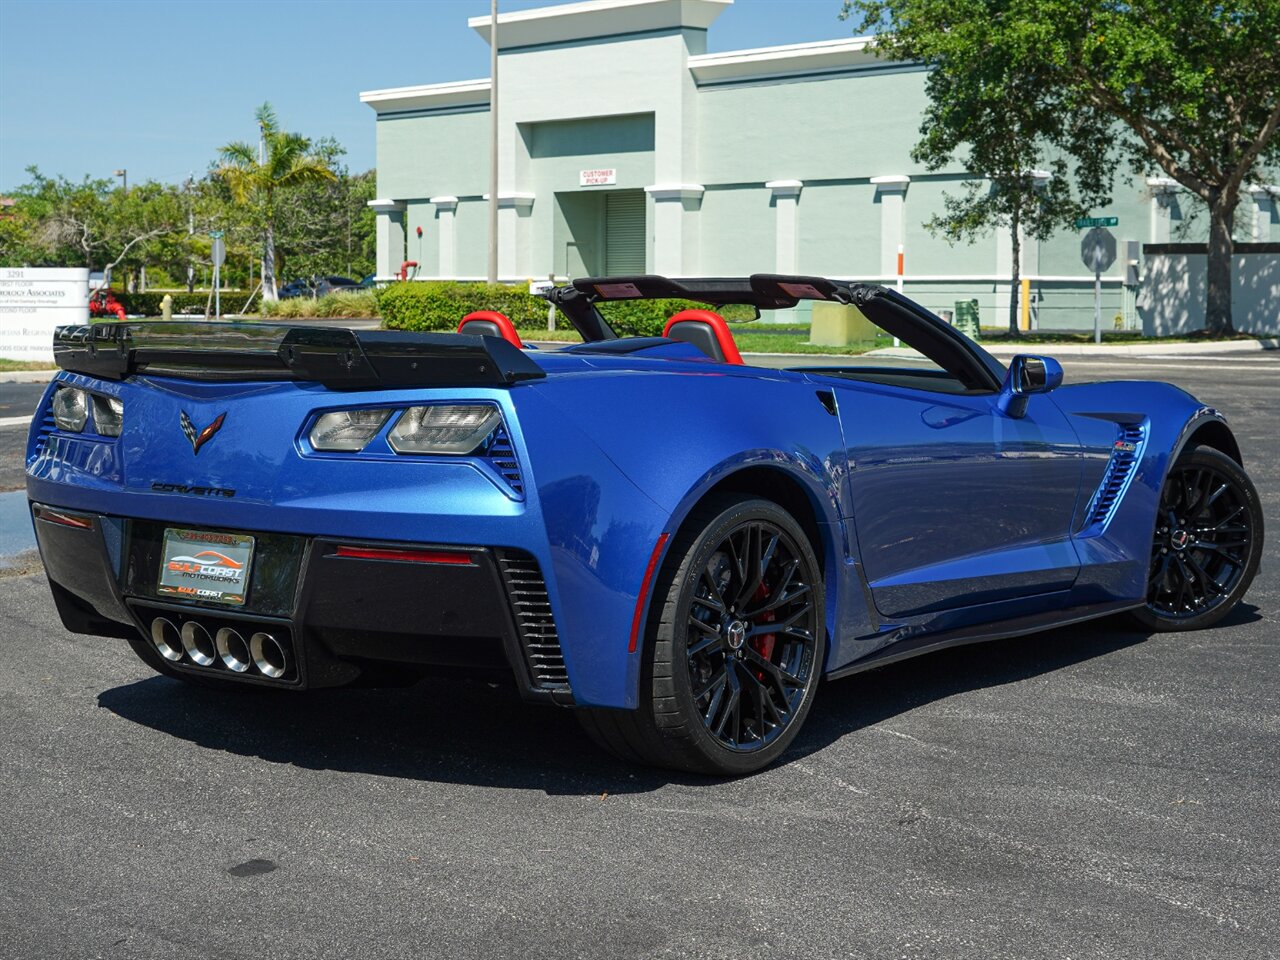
{"x":482,"y":734}
{"x":865,"y":699}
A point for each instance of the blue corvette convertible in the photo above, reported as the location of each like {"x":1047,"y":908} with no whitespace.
{"x":674,"y":544}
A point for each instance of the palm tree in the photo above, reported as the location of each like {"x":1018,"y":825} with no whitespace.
{"x":255,"y":176}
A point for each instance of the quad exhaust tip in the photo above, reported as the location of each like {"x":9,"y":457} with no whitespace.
{"x":268,"y":655}
{"x":166,"y":639}
{"x":233,"y":650}
{"x":198,"y":644}
{"x":262,"y":650}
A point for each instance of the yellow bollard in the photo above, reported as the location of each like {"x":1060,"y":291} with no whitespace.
{"x":166,"y":307}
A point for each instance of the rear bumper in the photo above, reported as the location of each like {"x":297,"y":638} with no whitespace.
{"x":340,"y":617}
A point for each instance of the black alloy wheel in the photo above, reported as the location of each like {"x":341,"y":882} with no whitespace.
{"x":750,"y":636}
{"x":1207,"y":542}
{"x":734,"y":647}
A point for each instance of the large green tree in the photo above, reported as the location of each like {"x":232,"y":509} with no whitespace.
{"x":980,"y":116}
{"x":89,"y":222}
{"x":288,"y":163}
{"x":327,"y":227}
{"x":1187,"y":87}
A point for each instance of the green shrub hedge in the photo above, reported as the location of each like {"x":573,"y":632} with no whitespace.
{"x":359,"y":303}
{"x":148,"y":304}
{"x":642,"y":318}
{"x":440,"y":305}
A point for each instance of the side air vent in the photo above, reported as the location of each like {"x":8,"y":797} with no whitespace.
{"x":1124,"y":459}
{"x":531,"y":607}
{"x":502,"y":456}
{"x":45,"y":430}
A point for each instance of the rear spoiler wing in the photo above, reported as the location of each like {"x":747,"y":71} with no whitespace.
{"x":339,"y":358}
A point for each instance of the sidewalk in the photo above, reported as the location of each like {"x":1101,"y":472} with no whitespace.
{"x":1134,"y":348}
{"x":27,"y":376}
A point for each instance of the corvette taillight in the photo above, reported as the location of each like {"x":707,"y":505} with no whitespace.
{"x":71,"y":409}
{"x":347,"y":430}
{"x":108,"y":415}
{"x":449,"y":429}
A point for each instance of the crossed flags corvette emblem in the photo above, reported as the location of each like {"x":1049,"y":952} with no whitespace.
{"x":198,"y":440}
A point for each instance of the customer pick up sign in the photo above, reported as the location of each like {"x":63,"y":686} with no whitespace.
{"x":35,"y":300}
{"x":598,"y":177}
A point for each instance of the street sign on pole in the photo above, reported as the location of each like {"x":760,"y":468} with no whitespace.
{"x":1084,"y":223}
{"x":219,"y":256}
{"x":1098,"y":251}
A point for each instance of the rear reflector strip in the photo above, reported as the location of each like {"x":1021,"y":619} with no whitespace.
{"x":64,"y":519}
{"x":643,"y":597}
{"x":404,"y":556}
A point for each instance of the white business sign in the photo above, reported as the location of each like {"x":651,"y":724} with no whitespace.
{"x":597,"y":178}
{"x":35,"y":300}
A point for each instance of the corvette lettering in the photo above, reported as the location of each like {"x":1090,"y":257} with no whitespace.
{"x":192,"y":491}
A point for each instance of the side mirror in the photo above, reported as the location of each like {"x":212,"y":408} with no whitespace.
{"x":1027,"y":375}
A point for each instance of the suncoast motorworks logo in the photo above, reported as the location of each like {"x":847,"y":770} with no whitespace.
{"x":207,"y":563}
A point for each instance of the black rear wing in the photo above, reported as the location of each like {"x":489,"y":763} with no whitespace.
{"x":339,"y":358}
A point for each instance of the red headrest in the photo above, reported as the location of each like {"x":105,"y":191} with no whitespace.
{"x":708,"y":322}
{"x":491,"y":323}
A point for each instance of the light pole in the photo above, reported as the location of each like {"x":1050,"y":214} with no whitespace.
{"x":124,"y":178}
{"x":493,"y":141}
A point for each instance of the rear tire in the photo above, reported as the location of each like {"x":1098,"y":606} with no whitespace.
{"x":1207,"y":543}
{"x":722,"y":690}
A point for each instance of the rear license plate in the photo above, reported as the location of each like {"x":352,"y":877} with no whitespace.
{"x":202,"y":565}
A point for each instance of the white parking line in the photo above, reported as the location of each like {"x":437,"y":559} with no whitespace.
{"x":15,"y":421}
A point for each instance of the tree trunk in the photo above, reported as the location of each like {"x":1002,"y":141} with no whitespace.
{"x":1016,"y":274}
{"x":269,"y":264}
{"x":1217,"y":314}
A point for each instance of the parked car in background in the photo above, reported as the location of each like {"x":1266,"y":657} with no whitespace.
{"x":317,"y":287}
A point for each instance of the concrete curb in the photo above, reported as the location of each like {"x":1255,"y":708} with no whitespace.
{"x":27,"y":376}
{"x":1137,"y":348}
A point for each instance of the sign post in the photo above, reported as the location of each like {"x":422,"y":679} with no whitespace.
{"x":219,"y":257}
{"x":1098,"y":250}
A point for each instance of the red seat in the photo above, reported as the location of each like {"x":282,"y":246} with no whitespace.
{"x":490,"y":323}
{"x":705,"y":330}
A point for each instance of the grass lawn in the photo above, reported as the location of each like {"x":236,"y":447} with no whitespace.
{"x":798,"y":342}
{"x":10,"y":365}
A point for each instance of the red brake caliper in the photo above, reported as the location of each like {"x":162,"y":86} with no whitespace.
{"x":763,"y":644}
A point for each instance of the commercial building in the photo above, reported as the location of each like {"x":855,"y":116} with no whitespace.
{"x":624,"y":147}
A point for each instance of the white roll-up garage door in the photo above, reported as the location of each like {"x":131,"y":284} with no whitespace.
{"x":624,"y":232}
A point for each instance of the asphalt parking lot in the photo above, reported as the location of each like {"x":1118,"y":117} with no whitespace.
{"x":1088,"y":792}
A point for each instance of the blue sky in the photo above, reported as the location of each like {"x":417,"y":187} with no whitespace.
{"x":155,"y":86}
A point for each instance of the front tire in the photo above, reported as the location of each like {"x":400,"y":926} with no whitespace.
{"x":1207,"y":543}
{"x":735,"y":645}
